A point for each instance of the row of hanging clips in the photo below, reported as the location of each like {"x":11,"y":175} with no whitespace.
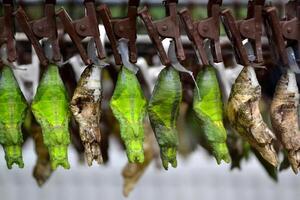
{"x":250,"y":28}
{"x":122,"y":34}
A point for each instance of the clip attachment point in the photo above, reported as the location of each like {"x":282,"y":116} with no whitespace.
{"x":7,"y":31}
{"x":165,"y":28}
{"x":117,"y":29}
{"x":82,"y":28}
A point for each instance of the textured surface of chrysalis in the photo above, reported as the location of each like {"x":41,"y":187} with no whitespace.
{"x":132,"y":172}
{"x":42,"y":169}
{"x":208,"y":107}
{"x":129,"y":107}
{"x":284,"y":117}
{"x":50,"y":108}
{"x":186,"y":136}
{"x":85,"y":106}
{"x":239,"y":149}
{"x":270,"y":169}
{"x":163,"y":111}
{"x":245,"y":117}
{"x":13,"y":108}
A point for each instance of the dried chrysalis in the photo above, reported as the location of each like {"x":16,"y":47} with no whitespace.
{"x":86,"y":108}
{"x":284,"y":117}
{"x":132,"y":172}
{"x":245,"y":117}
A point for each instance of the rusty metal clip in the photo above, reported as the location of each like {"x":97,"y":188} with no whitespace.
{"x":82,"y":28}
{"x":7,"y":30}
{"x":198,"y":31}
{"x":251,"y":28}
{"x":233,"y":34}
{"x":291,"y":9}
{"x":41,"y":28}
{"x":291,"y":25}
{"x":164,"y":28}
{"x":274,"y":33}
{"x":121,"y":28}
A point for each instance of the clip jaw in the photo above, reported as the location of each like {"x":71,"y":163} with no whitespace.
{"x":121,"y":28}
{"x":82,"y":28}
{"x":7,"y":33}
{"x":165,"y":28}
{"x":41,"y":28}
{"x":198,"y":31}
{"x":234,"y":36}
{"x":251,"y":28}
{"x":275,"y":35}
{"x":291,"y":26}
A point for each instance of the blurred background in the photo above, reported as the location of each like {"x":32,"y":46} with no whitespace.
{"x":197,"y":175}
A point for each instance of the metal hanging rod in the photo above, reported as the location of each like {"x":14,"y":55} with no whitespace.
{"x":141,"y":38}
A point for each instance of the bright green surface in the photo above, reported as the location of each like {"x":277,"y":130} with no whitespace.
{"x":50,"y":108}
{"x":129,"y":107}
{"x":209,"y":109}
{"x":12,"y":113}
{"x":163,"y":111}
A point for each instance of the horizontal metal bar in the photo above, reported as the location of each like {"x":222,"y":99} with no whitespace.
{"x":141,"y":38}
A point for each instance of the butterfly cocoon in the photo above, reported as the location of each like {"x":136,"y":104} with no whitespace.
{"x":163,"y":110}
{"x":129,"y":107}
{"x":51,"y":110}
{"x":208,"y":108}
{"x":86,"y":108}
{"x":245,"y":117}
{"x":13,"y":108}
{"x":284,"y":117}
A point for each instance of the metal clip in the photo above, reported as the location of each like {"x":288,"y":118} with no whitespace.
{"x":7,"y":30}
{"x":165,"y":28}
{"x":274,"y":33}
{"x":292,"y":9}
{"x":251,"y":28}
{"x":198,"y":31}
{"x":291,"y":25}
{"x":121,"y":28}
{"x":233,"y":34}
{"x":41,"y":28}
{"x":82,"y":28}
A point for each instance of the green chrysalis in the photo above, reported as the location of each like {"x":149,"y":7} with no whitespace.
{"x":163,"y":112}
{"x":50,"y":108}
{"x":208,"y":107}
{"x":13,"y":108}
{"x":129,"y":107}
